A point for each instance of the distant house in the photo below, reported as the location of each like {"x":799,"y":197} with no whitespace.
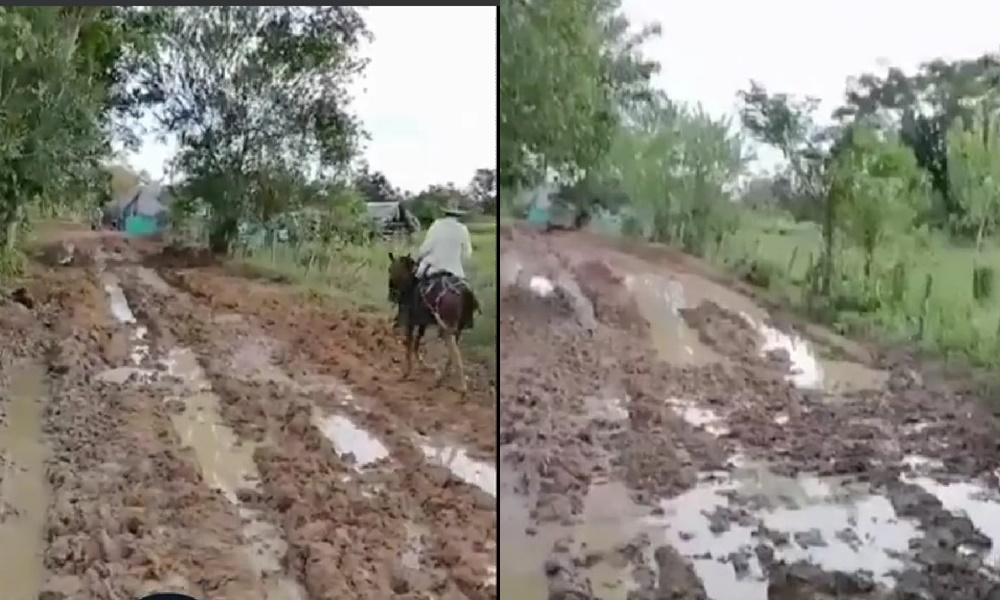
{"x":392,"y":217}
{"x":141,"y":210}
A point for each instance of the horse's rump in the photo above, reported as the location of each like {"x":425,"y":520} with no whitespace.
{"x":449,"y":298}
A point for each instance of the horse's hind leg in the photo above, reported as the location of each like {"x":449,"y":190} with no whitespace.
{"x":411,"y":342}
{"x":454,"y":354}
{"x":416,"y":347}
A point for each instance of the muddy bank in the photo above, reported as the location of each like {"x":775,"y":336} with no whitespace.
{"x":360,"y":350}
{"x":714,"y":425}
{"x":375,"y":519}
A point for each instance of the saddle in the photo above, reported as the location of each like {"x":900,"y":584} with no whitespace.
{"x":431,"y":288}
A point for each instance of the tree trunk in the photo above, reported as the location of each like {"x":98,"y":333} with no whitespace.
{"x":828,"y":222}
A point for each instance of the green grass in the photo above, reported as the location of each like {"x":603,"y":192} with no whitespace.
{"x":358,"y":275}
{"x":954,"y":322}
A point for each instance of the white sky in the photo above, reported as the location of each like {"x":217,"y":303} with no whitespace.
{"x":428,"y":98}
{"x":710,"y":49}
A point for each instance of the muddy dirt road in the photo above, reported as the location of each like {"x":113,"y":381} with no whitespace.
{"x":661,"y":437}
{"x":166,"y":426}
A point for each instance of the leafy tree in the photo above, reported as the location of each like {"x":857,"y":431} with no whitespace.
{"x":922,"y":107}
{"x":483,"y":190}
{"x":974,"y":173}
{"x":254,"y":93}
{"x":789,"y":124}
{"x":55,"y":103}
{"x":882,"y":190}
{"x":565,"y":71}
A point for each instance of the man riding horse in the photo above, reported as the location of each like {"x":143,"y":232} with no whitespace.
{"x":430,"y":288}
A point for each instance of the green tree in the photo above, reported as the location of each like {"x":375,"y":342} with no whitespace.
{"x":974,"y":173}
{"x":565,"y":71}
{"x":882,"y":190}
{"x":255,"y":93}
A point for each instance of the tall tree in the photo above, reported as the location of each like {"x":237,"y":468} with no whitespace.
{"x":252,"y":91}
{"x":565,"y":69}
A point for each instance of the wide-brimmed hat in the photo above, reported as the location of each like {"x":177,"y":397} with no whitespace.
{"x":453,"y":209}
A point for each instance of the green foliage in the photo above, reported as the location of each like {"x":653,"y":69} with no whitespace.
{"x":565,"y":70}
{"x":251,"y":132}
{"x":974,"y":173}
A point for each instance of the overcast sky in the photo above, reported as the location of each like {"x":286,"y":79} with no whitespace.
{"x":428,"y":98}
{"x":710,"y":49}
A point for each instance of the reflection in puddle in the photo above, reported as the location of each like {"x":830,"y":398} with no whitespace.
{"x":660,"y":302}
{"x":348,"y":438}
{"x":24,"y":495}
{"x":805,"y":371}
{"x":226,"y":463}
{"x":471,"y":471}
{"x":541,"y":286}
{"x":979,"y":503}
{"x":836,"y":525}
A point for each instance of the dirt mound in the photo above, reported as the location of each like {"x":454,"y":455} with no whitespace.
{"x":609,"y":295}
{"x":175,"y":256}
{"x":723,"y":331}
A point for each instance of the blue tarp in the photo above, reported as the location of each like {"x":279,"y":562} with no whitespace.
{"x":141,"y":225}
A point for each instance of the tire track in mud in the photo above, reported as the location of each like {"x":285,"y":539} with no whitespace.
{"x":361,"y":351}
{"x":127,"y":513}
{"x":353,"y":530}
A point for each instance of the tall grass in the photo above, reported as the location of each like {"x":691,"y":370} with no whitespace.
{"x":922,"y":289}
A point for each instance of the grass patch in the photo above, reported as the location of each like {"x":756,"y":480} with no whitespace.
{"x":358,"y":275}
{"x":922,"y":289}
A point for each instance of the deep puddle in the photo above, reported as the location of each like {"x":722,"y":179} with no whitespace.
{"x":226,"y":462}
{"x":24,"y":495}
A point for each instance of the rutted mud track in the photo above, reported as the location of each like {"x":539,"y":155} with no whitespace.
{"x":658,"y":439}
{"x":228,"y":439}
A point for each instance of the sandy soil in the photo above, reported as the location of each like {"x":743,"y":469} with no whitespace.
{"x":166,"y":426}
{"x":662,"y":437}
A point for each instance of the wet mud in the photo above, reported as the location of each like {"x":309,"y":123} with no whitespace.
{"x":368,"y":505}
{"x":156,"y":437}
{"x":662,"y":437}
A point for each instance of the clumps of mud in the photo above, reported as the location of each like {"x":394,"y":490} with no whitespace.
{"x":608,"y":293}
{"x":660,"y":574}
{"x":723,"y":331}
{"x":346,"y":527}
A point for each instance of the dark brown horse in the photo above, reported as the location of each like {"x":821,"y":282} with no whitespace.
{"x":441,"y":299}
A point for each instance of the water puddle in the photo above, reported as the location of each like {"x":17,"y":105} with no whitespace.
{"x":414,"y":547}
{"x":609,"y":521}
{"x":469,"y":470}
{"x":226,"y":462}
{"x":834,"y":524}
{"x":805,"y":370}
{"x":352,"y":443}
{"x":698,"y":417}
{"x":724,"y":525}
{"x":660,"y":301}
{"x":977,"y":502}
{"x":24,"y":494}
{"x":541,"y":286}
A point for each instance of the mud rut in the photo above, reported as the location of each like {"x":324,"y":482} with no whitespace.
{"x":661,"y":438}
{"x":167,"y":428}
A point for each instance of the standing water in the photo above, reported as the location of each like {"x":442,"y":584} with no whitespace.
{"x":24,"y":494}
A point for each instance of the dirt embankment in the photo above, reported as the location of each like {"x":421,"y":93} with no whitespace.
{"x":597,"y":397}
